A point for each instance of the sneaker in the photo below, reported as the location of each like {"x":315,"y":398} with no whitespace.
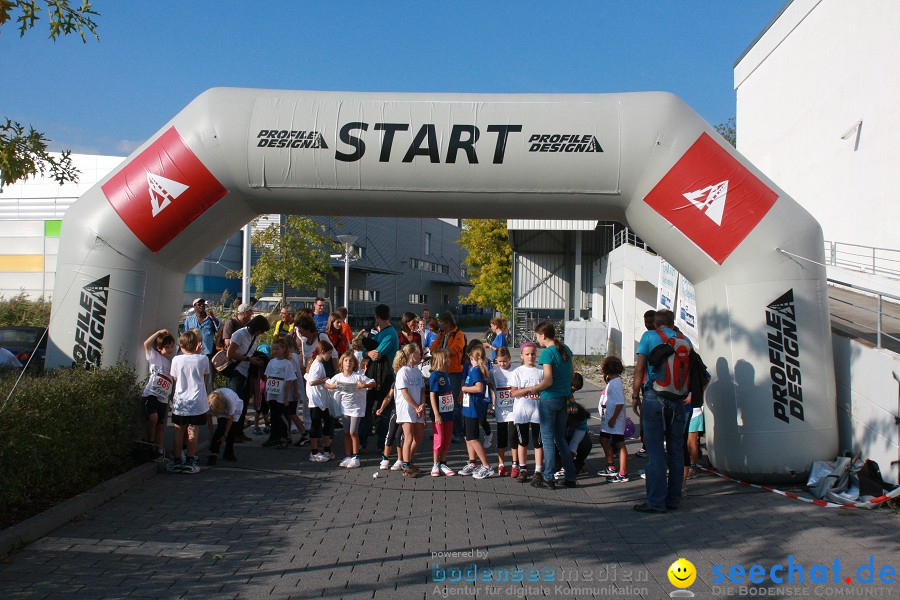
{"x":447,"y":470}
{"x":415,"y":468}
{"x":692,"y":472}
{"x":514,"y":472}
{"x":523,"y":475}
{"x":312,"y":457}
{"x":192,"y":466}
{"x":397,"y":466}
{"x":618,"y":478}
{"x":354,"y":463}
{"x":407,"y":472}
{"x":304,"y":439}
{"x":538,"y":481}
{"x":488,"y":440}
{"x":384,"y":465}
{"x":344,"y":462}
{"x":467,"y":470}
{"x":502,"y":471}
{"x":560,"y":475}
{"x":608,"y":472}
{"x":257,"y":431}
{"x":643,"y":475}
{"x":436,"y":470}
{"x":642,"y":453}
{"x":267,"y":429}
{"x":322,"y":457}
{"x":484,"y":472}
{"x":174,"y":467}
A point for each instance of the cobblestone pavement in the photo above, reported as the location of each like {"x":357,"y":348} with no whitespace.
{"x":274,"y":525}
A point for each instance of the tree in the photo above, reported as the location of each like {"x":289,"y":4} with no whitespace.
{"x":23,"y":150}
{"x":728,"y":131}
{"x":296,"y":253}
{"x":489,"y":262}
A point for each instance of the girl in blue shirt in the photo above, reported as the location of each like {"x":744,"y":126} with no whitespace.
{"x":474,"y":409}
{"x":498,"y":326}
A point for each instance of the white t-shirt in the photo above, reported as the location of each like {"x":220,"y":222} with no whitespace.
{"x":8,"y":359}
{"x":525,"y":408}
{"x":242,"y":339}
{"x":234,"y":405}
{"x":351,"y":399}
{"x":279,"y":377}
{"x":411,"y":380}
{"x":504,"y":401}
{"x":307,"y":349}
{"x":611,"y":397}
{"x":319,"y":397}
{"x":189,"y":372}
{"x":159,"y":384}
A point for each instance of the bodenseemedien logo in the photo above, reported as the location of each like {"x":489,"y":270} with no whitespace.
{"x":682,"y":575}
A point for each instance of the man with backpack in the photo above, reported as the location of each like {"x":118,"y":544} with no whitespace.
{"x":664,"y":355}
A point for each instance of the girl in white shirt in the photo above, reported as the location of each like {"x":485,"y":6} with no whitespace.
{"x":159,"y":349}
{"x":525,"y":409}
{"x":501,"y":376}
{"x":349,"y":387}
{"x":281,"y":383}
{"x":319,"y":402}
{"x":409,"y":399}
{"x":612,"y":426}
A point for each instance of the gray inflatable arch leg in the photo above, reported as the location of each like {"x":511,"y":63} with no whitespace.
{"x":645,"y":159}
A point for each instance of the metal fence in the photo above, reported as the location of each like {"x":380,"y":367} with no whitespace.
{"x":883,"y":319}
{"x":868,"y":259}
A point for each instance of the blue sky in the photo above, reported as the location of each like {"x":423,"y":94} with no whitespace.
{"x":153,"y":57}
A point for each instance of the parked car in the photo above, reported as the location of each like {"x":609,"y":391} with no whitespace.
{"x":270,"y":306}
{"x":24,"y":342}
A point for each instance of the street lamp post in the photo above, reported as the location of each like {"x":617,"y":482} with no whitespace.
{"x":348,"y":241}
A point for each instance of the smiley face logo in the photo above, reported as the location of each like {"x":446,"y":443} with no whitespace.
{"x":682,"y":573}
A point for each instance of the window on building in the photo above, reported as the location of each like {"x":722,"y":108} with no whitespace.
{"x":427,"y":244}
{"x":418,"y":298}
{"x":424,"y":265}
{"x":359,"y":295}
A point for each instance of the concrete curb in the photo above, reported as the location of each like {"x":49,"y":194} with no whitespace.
{"x":41,"y":524}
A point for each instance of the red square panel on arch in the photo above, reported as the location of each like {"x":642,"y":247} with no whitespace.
{"x":162,"y":190}
{"x":712,"y":198}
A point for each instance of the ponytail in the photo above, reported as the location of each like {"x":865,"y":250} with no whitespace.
{"x":402,"y":356}
{"x":477,"y":355}
{"x":546,"y":329}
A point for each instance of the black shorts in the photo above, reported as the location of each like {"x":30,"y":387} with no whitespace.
{"x":507,"y":436}
{"x":189,"y":419}
{"x":523,"y":429}
{"x":472,"y":428}
{"x":155,"y":407}
{"x":617,"y":438}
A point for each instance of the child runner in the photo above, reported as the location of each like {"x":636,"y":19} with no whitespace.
{"x":159,"y":349}
{"x":190,"y":372}
{"x":409,"y":396}
{"x":394,"y":435}
{"x":525,"y":410}
{"x":467,"y":365}
{"x":498,"y":326}
{"x":612,"y":425}
{"x":503,"y":409}
{"x":474,"y":409}
{"x":441,"y":395}
{"x":280,"y":388}
{"x":319,"y":402}
{"x":350,"y":387}
{"x":226,"y":408}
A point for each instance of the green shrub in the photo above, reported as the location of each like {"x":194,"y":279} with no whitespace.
{"x":19,"y":310}
{"x":63,"y":432}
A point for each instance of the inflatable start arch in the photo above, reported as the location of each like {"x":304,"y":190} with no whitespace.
{"x":645,"y":159}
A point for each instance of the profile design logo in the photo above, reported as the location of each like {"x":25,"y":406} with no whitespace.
{"x":682,"y":575}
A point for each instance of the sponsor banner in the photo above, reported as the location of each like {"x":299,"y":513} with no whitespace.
{"x":434,"y":146}
{"x":686,"y":313}
{"x":711,"y":198}
{"x":665,"y":289}
{"x":162,"y":190}
{"x":90,"y":326}
{"x":784,"y":357}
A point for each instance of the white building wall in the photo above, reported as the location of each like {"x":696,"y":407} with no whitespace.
{"x":817,"y":112}
{"x":631,"y":276}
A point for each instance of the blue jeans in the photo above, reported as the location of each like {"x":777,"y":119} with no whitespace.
{"x":663,"y":419}
{"x":553,"y":415}
{"x":456,"y":382}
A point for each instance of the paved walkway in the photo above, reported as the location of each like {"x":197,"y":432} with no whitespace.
{"x":274,"y":525}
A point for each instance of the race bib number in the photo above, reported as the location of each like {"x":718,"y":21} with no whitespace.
{"x":274,"y":388}
{"x":504,"y":397}
{"x":445,"y":403}
{"x":161,"y":386}
{"x":347,"y":388}
{"x":466,"y":401}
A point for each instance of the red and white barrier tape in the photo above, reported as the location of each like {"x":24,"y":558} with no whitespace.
{"x":868,"y":504}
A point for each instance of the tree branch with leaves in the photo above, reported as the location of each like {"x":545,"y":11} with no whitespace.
{"x":489,"y":261}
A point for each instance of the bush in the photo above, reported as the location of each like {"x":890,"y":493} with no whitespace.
{"x":62,"y":433}
{"x":19,"y":310}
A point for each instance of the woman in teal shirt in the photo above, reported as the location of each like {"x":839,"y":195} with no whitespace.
{"x":555,"y":389}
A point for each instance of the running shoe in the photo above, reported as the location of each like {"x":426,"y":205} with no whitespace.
{"x":384,"y":465}
{"x":175,"y":467}
{"x":257,"y":431}
{"x":538,"y":481}
{"x":560,"y":475}
{"x":618,"y":478}
{"x":642,"y":453}
{"x":408,"y":472}
{"x":354,"y":463}
{"x":468,"y":469}
{"x":436,"y":470}
{"x":343,"y":463}
{"x":488,"y":440}
{"x":483,"y":472}
{"x":502,"y":471}
{"x":523,"y":475}
{"x":192,"y":466}
{"x":398,"y":466}
{"x":514,"y":472}
{"x":643,"y":475}
{"x":447,"y":470}
{"x":608,"y":472}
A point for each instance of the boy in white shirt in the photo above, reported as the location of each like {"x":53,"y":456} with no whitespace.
{"x":159,"y":349}
{"x":226,"y":408}
{"x":190,"y":407}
